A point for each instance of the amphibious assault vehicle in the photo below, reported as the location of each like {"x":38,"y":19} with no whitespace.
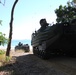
{"x":59,"y":38}
{"x":21,"y":46}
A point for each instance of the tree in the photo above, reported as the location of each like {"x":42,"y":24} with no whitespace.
{"x":0,"y":22}
{"x":74,"y":1}
{"x":3,"y":39}
{"x":65,"y":13}
{"x":11,"y":28}
{"x":3,"y":3}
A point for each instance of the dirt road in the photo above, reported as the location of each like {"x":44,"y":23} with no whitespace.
{"x":28,"y":64}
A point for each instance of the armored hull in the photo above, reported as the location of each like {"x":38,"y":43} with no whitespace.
{"x":24,"y":47}
{"x":55,"y":39}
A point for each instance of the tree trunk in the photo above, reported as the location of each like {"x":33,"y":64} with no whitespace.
{"x":11,"y":28}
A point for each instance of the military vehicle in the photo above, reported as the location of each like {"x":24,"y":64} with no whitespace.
{"x":21,"y":46}
{"x":59,"y":38}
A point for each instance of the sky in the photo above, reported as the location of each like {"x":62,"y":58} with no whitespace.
{"x":27,"y":15}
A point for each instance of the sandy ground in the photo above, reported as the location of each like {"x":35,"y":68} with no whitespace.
{"x":19,"y":53}
{"x":28,"y":64}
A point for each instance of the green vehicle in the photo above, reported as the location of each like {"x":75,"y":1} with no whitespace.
{"x":60,"y":38}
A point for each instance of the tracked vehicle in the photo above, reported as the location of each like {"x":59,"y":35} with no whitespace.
{"x":59,"y":38}
{"x":21,"y":46}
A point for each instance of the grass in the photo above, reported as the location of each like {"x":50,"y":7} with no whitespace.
{"x":2,"y":52}
{"x":2,"y":55}
{"x":3,"y":58}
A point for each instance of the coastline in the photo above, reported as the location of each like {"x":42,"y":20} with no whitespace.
{"x":12,"y":47}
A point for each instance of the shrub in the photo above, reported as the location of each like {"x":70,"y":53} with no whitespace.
{"x":2,"y":52}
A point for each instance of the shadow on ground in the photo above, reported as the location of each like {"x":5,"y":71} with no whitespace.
{"x":32,"y":65}
{"x":26,"y":65}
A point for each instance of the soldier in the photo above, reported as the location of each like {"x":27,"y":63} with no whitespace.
{"x":19,"y":44}
{"x":43,"y":24}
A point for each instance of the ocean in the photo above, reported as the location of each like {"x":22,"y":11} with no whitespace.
{"x":15,"y":42}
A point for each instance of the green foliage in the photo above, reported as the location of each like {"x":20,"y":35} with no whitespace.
{"x":74,"y":1}
{"x":8,"y":58}
{"x":0,"y":22}
{"x":3,"y":39}
{"x":2,"y":52}
{"x":65,"y":13}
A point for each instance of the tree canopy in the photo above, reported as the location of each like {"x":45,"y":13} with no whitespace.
{"x":65,"y":13}
{"x":0,"y":22}
{"x":3,"y":39}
